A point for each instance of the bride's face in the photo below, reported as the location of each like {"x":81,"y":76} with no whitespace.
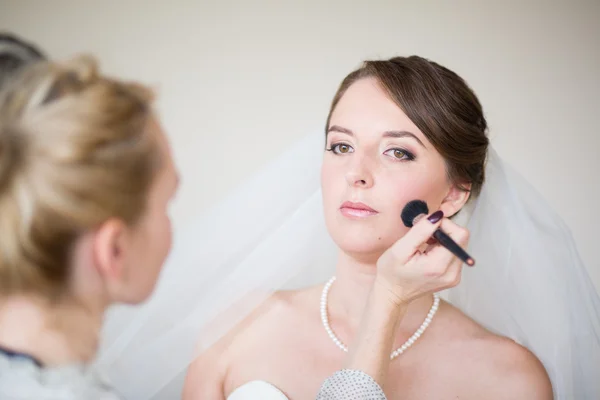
{"x":377,"y":161}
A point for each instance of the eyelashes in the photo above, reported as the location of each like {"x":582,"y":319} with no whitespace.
{"x":340,"y":148}
{"x":396,"y":153}
{"x":400,"y":154}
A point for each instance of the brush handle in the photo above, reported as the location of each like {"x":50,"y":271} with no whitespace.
{"x":451,"y":245}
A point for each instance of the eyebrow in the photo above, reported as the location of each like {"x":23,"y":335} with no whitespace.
{"x":388,"y":134}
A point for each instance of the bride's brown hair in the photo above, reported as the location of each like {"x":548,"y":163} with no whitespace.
{"x":441,"y":105}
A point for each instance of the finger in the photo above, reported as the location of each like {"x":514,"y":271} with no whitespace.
{"x":423,"y":248}
{"x":455,"y":238}
{"x":418,"y":235}
{"x":453,"y":274}
{"x":458,"y":233}
{"x":430,"y":244}
{"x":438,"y":261}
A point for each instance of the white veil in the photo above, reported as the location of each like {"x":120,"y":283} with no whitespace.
{"x":269,"y":234}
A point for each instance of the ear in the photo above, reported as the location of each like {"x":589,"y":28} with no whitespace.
{"x":109,"y":249}
{"x":455,"y":199}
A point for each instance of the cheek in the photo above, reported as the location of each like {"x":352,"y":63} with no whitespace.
{"x":332,"y":192}
{"x":418,"y":185}
{"x":163,"y":239}
{"x":326,"y":175}
{"x":157,"y":245}
{"x":332,"y":180}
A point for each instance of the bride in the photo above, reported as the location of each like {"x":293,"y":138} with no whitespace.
{"x":523,"y":323}
{"x":398,"y":130}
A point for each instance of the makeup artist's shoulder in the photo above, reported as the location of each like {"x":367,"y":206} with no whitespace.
{"x":504,"y":368}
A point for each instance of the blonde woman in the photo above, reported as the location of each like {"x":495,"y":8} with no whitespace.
{"x":86,"y":177}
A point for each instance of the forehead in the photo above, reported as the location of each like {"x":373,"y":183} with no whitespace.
{"x":366,"y":108}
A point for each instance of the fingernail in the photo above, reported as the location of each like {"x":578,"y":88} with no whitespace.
{"x":436,"y":216}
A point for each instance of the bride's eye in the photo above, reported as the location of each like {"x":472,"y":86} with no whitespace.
{"x":340,"y":148}
{"x":400,"y":154}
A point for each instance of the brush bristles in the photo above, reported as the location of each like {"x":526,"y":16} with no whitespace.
{"x":412,"y":210}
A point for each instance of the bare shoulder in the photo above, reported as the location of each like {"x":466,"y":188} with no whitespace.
{"x":287,"y":306}
{"x":505,"y":369}
{"x":525,"y":376}
{"x":284,"y":313}
{"x":514,"y":369}
{"x":207,"y":375}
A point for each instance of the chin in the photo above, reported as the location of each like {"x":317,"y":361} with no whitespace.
{"x":360,"y":246}
{"x":362,"y":236}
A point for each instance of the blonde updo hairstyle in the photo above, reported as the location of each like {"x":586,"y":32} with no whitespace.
{"x":74,"y":152}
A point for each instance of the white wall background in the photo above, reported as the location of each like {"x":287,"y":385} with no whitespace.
{"x":240,"y":80}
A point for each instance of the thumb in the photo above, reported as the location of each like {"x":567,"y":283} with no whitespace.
{"x":419,"y":234}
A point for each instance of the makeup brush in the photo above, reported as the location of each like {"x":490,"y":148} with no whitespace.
{"x":416,"y":208}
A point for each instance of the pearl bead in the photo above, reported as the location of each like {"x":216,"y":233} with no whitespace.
{"x":395,"y":353}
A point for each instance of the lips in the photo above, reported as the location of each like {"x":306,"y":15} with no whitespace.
{"x":357,"y":210}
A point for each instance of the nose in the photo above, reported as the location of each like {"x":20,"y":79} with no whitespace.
{"x":360,"y":174}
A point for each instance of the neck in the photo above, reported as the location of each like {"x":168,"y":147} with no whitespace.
{"x":348,"y":297}
{"x":54,"y":333}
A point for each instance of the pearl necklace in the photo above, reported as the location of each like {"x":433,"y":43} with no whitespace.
{"x":395,"y":353}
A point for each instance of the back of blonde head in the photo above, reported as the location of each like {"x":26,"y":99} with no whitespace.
{"x":74,"y":152}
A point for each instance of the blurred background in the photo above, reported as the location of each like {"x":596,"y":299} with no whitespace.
{"x":239,"y":81}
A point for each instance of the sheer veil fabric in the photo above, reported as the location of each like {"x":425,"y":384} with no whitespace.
{"x":269,"y":234}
